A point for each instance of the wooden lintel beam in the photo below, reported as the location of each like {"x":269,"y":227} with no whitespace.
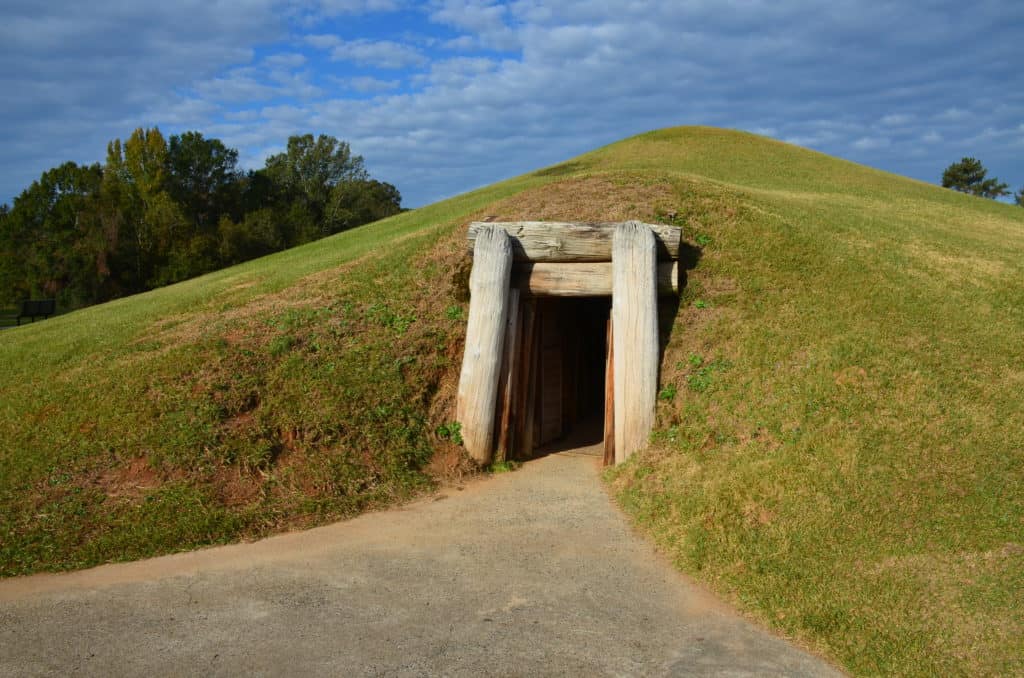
{"x":546,"y":279}
{"x":560,"y":241}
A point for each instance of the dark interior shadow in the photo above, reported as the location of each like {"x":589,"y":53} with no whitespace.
{"x":586,"y":437}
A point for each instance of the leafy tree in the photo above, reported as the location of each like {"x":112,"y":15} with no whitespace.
{"x":310,"y":168}
{"x":136,"y":194}
{"x":51,"y":240}
{"x":1020,"y":197}
{"x":968,"y":176}
{"x":361,"y":201}
{"x":259,"y":233}
{"x":203,"y":179}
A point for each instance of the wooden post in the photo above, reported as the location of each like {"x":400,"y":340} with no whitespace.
{"x":485,"y":332}
{"x":609,"y":398}
{"x":532,"y":423}
{"x":522,"y":438}
{"x":635,"y":335}
{"x":507,"y":389}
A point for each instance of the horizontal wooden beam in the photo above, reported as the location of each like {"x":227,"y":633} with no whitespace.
{"x":577,"y":241}
{"x":546,"y":279}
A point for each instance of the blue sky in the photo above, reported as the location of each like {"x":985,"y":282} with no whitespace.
{"x":443,"y":96}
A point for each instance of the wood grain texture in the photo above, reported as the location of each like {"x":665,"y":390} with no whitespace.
{"x":507,"y":387}
{"x":476,"y":401}
{"x":523,"y":436}
{"x":577,"y":241}
{"x":550,"y":386}
{"x":592,"y":279}
{"x":609,"y":399}
{"x":635,"y":336}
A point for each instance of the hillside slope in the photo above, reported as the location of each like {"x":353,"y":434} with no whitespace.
{"x":839,"y":443}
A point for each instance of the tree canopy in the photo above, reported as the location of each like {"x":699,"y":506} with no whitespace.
{"x":162,"y":210}
{"x":969,"y":176}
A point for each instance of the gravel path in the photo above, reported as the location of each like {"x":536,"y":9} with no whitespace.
{"x":528,"y":573}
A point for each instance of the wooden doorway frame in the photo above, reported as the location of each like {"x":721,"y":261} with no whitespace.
{"x":516,"y":261}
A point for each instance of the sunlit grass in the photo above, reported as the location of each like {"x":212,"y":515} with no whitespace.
{"x":852,"y":469}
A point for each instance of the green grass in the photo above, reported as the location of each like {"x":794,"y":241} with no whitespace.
{"x":844,"y":455}
{"x":839,"y":443}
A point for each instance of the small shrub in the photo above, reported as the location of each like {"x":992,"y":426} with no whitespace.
{"x":451,"y":431}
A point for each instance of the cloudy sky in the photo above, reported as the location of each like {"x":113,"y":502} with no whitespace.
{"x":447,"y":95}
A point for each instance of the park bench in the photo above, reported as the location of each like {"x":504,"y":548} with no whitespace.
{"x":36,"y":308}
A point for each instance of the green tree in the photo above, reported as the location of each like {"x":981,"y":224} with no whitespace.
{"x":141,"y":211}
{"x":51,"y":239}
{"x":307,"y":172}
{"x":203,"y":179}
{"x":1019,"y":198}
{"x":968,"y":176}
{"x":361,"y":201}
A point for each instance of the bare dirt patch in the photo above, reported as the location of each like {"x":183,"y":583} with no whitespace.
{"x":130,"y":481}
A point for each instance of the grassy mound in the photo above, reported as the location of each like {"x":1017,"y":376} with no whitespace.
{"x":839,"y":445}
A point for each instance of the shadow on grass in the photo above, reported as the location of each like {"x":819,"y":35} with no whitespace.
{"x":668,"y":306}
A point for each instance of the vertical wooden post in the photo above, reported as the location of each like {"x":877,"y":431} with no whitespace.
{"x":485,"y":333}
{"x":609,"y":398}
{"x":635,"y":335}
{"x":507,"y":388}
{"x":532,"y":438}
{"x":523,"y":435}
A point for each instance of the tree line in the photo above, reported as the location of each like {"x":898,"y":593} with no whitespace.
{"x":161,"y":210}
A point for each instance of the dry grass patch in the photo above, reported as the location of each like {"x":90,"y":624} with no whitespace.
{"x":603,"y":197}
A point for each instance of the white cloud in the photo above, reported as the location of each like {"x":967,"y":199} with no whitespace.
{"x":378,"y":53}
{"x":484,"y":21}
{"x":323,"y":41}
{"x":285,"y":60}
{"x":339,"y":7}
{"x":871,"y":143}
{"x":896,"y":119}
{"x":953,"y":114}
{"x":476,"y":16}
{"x":367,"y":84}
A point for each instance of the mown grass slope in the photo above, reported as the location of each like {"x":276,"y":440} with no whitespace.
{"x":840,"y":436}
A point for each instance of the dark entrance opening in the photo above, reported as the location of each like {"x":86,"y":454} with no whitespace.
{"x":569,"y":373}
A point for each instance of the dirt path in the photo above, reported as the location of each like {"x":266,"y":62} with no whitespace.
{"x":527,"y":573}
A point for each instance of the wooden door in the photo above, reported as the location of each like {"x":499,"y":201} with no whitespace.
{"x":550,"y":376}
{"x":609,"y":399}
